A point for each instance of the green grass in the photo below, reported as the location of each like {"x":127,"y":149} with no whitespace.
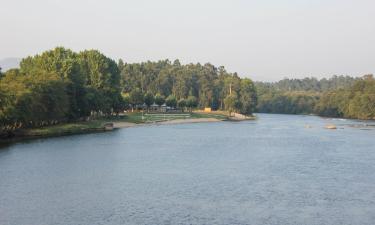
{"x":209,"y":115}
{"x":154,"y":117}
{"x":98,"y":125}
{"x":66,"y":128}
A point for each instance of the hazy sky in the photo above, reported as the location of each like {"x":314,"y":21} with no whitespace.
{"x":261,"y":39}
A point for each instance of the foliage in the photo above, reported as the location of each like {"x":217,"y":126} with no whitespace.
{"x":357,"y":101}
{"x":191,"y":102}
{"x":171,"y":101}
{"x":149,"y":99}
{"x":136,"y":97}
{"x":297,"y":96}
{"x":338,"y":96}
{"x":232,"y":103}
{"x":125,"y":100}
{"x":60,"y":85}
{"x":308,"y":84}
{"x":57,"y":86}
{"x":248,"y":97}
{"x":297,"y":102}
{"x":181,"y":104}
{"x":159,"y":99}
{"x":32,"y":101}
{"x":207,"y":83}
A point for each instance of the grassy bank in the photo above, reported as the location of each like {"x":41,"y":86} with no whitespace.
{"x":99,"y":124}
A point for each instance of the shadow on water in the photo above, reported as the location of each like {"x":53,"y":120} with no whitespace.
{"x":4,"y":146}
{"x":24,"y":140}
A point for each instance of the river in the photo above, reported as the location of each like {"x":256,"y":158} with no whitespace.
{"x":279,"y":169}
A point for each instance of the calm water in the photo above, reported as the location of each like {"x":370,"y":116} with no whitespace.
{"x":269,"y":171}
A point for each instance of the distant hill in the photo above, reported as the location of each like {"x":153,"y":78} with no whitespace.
{"x":9,"y":63}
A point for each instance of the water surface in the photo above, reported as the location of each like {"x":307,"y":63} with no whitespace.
{"x":274,"y":170}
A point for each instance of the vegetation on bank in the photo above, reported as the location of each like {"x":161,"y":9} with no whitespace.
{"x":99,"y":125}
{"x":339,"y":96}
{"x":358,"y":101}
{"x":62,"y":86}
{"x":191,"y":85}
{"x":60,"y":89}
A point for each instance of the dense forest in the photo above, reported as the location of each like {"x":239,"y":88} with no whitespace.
{"x":212,"y":86}
{"x":339,"y":96}
{"x":358,"y":101}
{"x":61,"y":85}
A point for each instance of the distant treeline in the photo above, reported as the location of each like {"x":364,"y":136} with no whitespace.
{"x":339,"y":96}
{"x":61,"y":85}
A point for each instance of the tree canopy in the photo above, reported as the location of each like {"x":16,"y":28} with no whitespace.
{"x":59,"y":85}
{"x":339,"y":96}
{"x":208,"y":84}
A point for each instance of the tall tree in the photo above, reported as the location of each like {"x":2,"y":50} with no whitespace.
{"x":159,"y":99}
{"x":149,"y":99}
{"x":181,"y":104}
{"x":171,"y":101}
{"x":136,"y":98}
{"x":248,"y":97}
{"x":191,"y":102}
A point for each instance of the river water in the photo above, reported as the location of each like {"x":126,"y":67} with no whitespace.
{"x":279,"y":169}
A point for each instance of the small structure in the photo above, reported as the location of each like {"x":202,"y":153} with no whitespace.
{"x":207,"y":109}
{"x":156,"y":108}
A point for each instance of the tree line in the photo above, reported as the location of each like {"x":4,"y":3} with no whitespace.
{"x":203,"y":85}
{"x":57,"y":86}
{"x":339,"y":96}
{"x":60,"y":85}
{"x":358,"y":101}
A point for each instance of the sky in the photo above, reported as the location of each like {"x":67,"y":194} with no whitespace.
{"x":265,"y":40}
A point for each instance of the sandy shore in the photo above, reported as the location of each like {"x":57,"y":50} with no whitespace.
{"x":124,"y":124}
{"x":176,"y":121}
{"x":196,"y":120}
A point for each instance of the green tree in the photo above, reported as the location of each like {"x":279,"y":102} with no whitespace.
{"x":191,"y":102}
{"x":181,"y":104}
{"x":248,"y":97}
{"x":358,"y":101}
{"x":65,"y":64}
{"x":232,"y":103}
{"x":171,"y":101}
{"x":159,"y":100}
{"x":126,"y":100}
{"x":136,"y":98}
{"x":149,"y":99}
{"x":32,"y":101}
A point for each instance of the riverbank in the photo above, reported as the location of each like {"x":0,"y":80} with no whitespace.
{"x":122,"y":121}
{"x":120,"y":124}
